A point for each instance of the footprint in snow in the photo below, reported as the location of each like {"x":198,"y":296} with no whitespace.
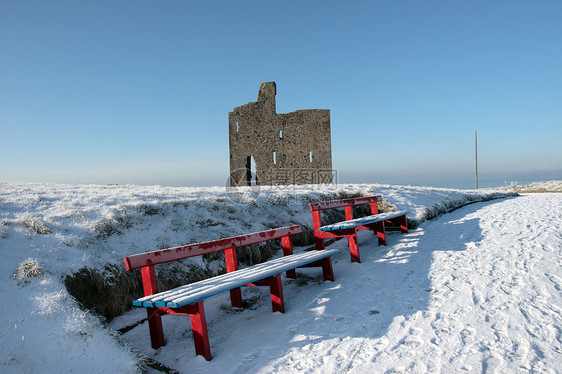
{"x":555,"y":280}
{"x":468,"y":335}
{"x":492,"y":364}
{"x":415,"y":338}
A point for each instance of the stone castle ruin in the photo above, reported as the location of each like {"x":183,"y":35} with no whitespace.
{"x":289,"y":148}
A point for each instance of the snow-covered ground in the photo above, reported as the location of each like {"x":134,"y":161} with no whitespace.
{"x":477,"y":289}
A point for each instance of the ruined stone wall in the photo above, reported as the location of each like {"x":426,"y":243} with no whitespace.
{"x":290,"y":148}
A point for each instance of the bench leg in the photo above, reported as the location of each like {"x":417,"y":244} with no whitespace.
{"x":155,"y":328}
{"x":403,"y":224}
{"x":380,"y":230}
{"x":276,"y":289}
{"x":236,"y":298}
{"x":354,"y":247}
{"x":327,"y":272}
{"x":199,"y":329}
{"x":319,"y":243}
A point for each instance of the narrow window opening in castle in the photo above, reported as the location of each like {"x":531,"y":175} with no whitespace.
{"x":280,"y":134}
{"x":251,"y":176}
{"x":237,"y":126}
{"x":310,"y":156}
{"x":274,"y":158}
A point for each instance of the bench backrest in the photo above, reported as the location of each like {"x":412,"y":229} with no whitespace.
{"x":348,"y":204}
{"x":146,"y":261}
{"x":191,"y":250}
{"x":343,"y":203}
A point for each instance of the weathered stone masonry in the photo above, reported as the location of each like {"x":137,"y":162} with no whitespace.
{"x":290,"y":148}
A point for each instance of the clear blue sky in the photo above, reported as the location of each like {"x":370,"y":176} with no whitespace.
{"x":84,"y":97}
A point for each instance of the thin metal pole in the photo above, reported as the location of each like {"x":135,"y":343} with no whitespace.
{"x":476,"y":157}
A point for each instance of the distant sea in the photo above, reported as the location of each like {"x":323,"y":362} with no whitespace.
{"x":488,"y":180}
{"x":484,"y":183}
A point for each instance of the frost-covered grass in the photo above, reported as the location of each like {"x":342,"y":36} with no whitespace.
{"x":49,"y":233}
{"x":30,"y":268}
{"x":537,"y":187}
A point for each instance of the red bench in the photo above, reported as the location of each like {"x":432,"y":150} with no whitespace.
{"x":188,"y":299}
{"x":376,"y":222}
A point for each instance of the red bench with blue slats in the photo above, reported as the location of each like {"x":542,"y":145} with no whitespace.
{"x":188,"y":299}
{"x":376,"y":222}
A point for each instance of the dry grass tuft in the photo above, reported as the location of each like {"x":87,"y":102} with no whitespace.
{"x":110,"y":293}
{"x":37,"y":226}
{"x":30,"y":268}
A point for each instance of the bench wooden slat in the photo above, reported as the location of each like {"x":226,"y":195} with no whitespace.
{"x":191,"y":293}
{"x":345,"y":202}
{"x":353,"y":223}
{"x":177,"y":253}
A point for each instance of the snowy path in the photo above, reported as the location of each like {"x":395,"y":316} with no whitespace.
{"x":495,"y":302}
{"x":476,"y":290}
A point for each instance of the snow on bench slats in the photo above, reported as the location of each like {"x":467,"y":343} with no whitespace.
{"x":201,"y":290}
{"x":352,"y":223}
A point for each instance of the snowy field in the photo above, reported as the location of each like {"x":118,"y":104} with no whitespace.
{"x":474,"y":290}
